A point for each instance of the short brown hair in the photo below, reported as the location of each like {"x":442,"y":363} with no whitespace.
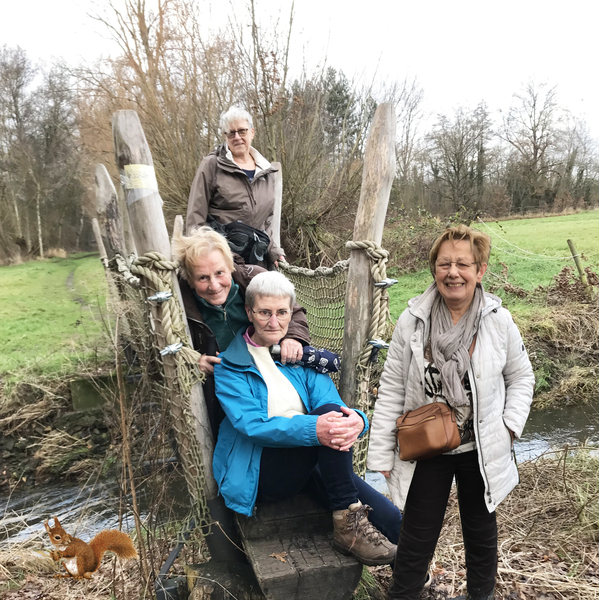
{"x":480,"y":244}
{"x":187,"y":249}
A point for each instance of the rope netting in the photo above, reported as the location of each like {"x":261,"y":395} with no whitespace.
{"x":160,"y":326}
{"x":322,"y":293}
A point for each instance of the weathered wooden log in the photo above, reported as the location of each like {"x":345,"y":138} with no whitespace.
{"x":222,"y":581}
{"x":377,"y":177}
{"x":129,"y":240}
{"x":100,"y":242}
{"x":289,"y":545}
{"x":107,"y":207}
{"x":134,"y":161}
{"x":276,"y":219}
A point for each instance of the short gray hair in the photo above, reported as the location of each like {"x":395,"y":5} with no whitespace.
{"x":270,"y":284}
{"x":235,"y":114}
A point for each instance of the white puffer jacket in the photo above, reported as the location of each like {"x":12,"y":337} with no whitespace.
{"x":502,"y":387}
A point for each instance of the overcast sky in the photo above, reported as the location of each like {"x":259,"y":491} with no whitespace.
{"x":461,"y":51}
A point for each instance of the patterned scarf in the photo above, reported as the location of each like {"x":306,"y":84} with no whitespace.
{"x":450,"y":344}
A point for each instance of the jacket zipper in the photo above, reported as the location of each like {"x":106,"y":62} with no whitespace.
{"x":484,"y":473}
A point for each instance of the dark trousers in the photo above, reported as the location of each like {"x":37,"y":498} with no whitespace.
{"x":423,"y":519}
{"x":327,"y":475}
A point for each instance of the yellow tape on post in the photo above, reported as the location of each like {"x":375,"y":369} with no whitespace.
{"x":139,"y":181}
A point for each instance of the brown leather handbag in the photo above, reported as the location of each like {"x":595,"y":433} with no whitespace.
{"x":427,"y":431}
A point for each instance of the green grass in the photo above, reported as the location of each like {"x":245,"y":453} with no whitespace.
{"x":546,"y":236}
{"x":50,"y":314}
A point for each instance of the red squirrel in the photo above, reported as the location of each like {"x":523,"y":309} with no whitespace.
{"x":82,"y":559}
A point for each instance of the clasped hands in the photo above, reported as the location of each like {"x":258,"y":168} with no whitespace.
{"x":339,"y":430}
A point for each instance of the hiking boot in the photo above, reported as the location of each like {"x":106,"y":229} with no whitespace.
{"x":354,"y":534}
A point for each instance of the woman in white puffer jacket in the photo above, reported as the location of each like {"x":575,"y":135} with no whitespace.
{"x":454,"y":344}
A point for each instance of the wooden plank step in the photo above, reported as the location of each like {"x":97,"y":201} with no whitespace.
{"x":289,"y":545}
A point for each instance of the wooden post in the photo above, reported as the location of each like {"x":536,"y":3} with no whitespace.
{"x":134,"y":160}
{"x":107,"y":207}
{"x":100,"y":242}
{"x":581,"y":272}
{"x":377,"y":177}
{"x":276,"y":218}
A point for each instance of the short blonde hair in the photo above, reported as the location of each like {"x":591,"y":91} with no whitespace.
{"x":480,"y":244}
{"x":188,"y":249}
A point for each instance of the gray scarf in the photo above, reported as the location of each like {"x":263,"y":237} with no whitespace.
{"x":450,"y":344}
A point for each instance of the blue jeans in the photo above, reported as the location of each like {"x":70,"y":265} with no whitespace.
{"x":423,"y":518}
{"x":328,"y":476}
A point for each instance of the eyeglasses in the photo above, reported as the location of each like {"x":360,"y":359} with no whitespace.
{"x":461,"y":266}
{"x":241,"y":132}
{"x":265,"y":315}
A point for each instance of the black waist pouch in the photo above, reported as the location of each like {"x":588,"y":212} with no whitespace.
{"x":250,"y":243}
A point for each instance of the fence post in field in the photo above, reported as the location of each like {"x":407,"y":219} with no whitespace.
{"x":134,"y":161}
{"x":581,"y":273}
{"x":377,"y":177}
{"x":276,"y":218}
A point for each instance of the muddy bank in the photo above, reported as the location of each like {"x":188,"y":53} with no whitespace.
{"x":45,"y":439}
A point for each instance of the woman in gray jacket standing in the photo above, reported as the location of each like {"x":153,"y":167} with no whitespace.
{"x":454,"y":344}
{"x":235,"y":182}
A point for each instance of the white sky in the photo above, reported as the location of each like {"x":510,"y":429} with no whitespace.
{"x":461,"y":51}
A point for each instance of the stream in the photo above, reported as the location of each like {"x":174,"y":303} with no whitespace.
{"x":86,"y":511}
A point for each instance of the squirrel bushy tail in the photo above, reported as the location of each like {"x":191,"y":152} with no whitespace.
{"x":114,"y":541}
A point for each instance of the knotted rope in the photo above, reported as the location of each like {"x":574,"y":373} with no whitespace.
{"x":322,"y":292}
{"x":378,"y":324}
{"x":380,"y":300}
{"x":157,"y":270}
{"x":156,"y":275}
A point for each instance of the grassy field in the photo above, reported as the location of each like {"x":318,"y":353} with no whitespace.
{"x":50,"y":311}
{"x":534,"y":250}
{"x":50,"y":314}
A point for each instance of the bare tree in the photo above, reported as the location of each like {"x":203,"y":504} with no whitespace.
{"x":409,"y":116}
{"x":457,"y":158}
{"x":530,"y":128}
{"x":16,"y":75}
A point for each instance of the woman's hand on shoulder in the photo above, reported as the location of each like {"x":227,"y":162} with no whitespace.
{"x":207,"y":363}
{"x":291,"y":351}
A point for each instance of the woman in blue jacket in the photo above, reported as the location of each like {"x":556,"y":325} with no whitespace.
{"x":286,"y":429}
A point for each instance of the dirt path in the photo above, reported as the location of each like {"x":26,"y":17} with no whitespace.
{"x":70,"y":285}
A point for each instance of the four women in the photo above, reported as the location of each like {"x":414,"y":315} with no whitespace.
{"x":286,"y":429}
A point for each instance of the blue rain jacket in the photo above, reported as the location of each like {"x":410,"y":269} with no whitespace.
{"x":246,"y":428}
